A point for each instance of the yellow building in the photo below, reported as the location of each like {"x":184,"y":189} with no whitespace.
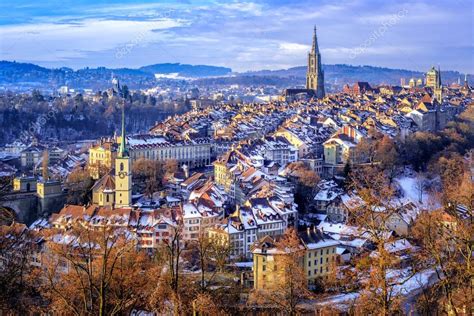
{"x":101,"y":158}
{"x":24,"y":184}
{"x":268,"y":264}
{"x":294,"y":140}
{"x":103,"y":191}
{"x":320,"y":255}
{"x":317,"y":262}
{"x":48,"y":188}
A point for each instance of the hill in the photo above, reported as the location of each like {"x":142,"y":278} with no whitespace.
{"x":25,"y":76}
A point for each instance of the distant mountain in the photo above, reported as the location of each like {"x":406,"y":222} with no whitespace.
{"x":341,"y":74}
{"x":25,"y":77}
{"x":197,"y":71}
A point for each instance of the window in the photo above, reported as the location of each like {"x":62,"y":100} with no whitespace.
{"x":321,"y":261}
{"x":121,"y":166}
{"x":327,"y":251}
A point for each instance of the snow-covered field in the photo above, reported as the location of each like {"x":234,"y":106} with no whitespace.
{"x":410,"y":187}
{"x":409,"y":286}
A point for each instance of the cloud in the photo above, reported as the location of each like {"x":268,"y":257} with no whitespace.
{"x":60,"y":41}
{"x":247,"y":35}
{"x":246,"y":7}
{"x":292,"y":48}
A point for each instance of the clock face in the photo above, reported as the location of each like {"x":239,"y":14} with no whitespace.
{"x":122,"y":174}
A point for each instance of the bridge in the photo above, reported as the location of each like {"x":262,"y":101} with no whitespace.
{"x":28,"y":206}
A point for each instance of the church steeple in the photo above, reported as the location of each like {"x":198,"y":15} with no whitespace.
{"x":315,"y":48}
{"x":315,"y":74}
{"x":123,"y":174}
{"x":438,"y":78}
{"x":123,"y":151}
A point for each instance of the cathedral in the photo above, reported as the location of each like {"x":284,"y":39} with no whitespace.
{"x":315,"y":74}
{"x":116,"y":190}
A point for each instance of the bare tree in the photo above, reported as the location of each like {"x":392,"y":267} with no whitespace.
{"x":447,"y":248}
{"x":44,"y":165}
{"x":373,"y":217}
{"x":17,"y":293}
{"x":94,"y":272}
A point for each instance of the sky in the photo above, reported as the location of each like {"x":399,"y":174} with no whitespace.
{"x":242,"y":35}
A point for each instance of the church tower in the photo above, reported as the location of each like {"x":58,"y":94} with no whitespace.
{"x":315,"y":74}
{"x":123,"y":174}
{"x":438,"y":89}
{"x":433,"y":80}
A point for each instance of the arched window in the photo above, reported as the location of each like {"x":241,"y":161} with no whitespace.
{"x":121,"y":166}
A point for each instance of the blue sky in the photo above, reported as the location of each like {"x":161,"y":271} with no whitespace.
{"x":244,"y":35}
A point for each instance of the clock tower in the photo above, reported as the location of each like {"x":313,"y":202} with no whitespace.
{"x":123,"y":174}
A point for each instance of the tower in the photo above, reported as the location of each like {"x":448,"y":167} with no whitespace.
{"x":315,"y":74}
{"x":123,"y":174}
{"x":433,"y":80}
{"x":438,"y":89}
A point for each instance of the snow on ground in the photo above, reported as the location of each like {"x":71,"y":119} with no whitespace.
{"x":411,"y":192}
{"x":339,"y":300}
{"x":418,"y":281}
{"x":409,"y":286}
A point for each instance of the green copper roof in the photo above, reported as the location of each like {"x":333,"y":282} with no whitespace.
{"x":123,"y":151}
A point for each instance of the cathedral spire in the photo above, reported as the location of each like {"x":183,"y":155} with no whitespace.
{"x":123,"y":152}
{"x":315,"y":48}
{"x":438,"y":79}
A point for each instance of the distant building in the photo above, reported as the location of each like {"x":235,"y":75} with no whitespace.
{"x":192,"y":152}
{"x":101,"y":158}
{"x":433,"y":80}
{"x":339,"y":149}
{"x":31,"y":156}
{"x":357,"y":88}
